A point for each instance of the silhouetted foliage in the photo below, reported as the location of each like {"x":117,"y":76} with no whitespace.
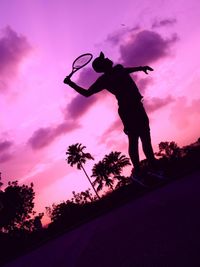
{"x":76,"y":156}
{"x":83,"y":197}
{"x":168,"y":150}
{"x":66,"y":211}
{"x":176,"y":161}
{"x":16,"y":212}
{"x":101,"y":174}
{"x":37,"y":222}
{"x":109,"y":169}
{"x":62,"y":209}
{"x":21,"y":227}
{"x":122,"y":181}
{"x":17,"y":207}
{"x":115,"y":162}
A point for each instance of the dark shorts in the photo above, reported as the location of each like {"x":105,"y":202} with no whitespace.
{"x":134,"y":118}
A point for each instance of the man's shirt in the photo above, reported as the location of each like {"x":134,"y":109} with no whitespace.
{"x":119,"y":82}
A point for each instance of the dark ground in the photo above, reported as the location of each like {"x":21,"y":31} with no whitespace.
{"x":160,"y":229}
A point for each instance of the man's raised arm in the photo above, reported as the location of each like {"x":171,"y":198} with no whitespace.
{"x":141,"y":68}
{"x":93,"y":89}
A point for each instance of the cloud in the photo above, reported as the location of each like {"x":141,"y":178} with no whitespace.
{"x":151,"y":105}
{"x":4,"y":145}
{"x":142,"y":47}
{"x":13,"y":49}
{"x":114,"y":137}
{"x":80,"y":105}
{"x":183,"y":114}
{"x":5,"y":153}
{"x":142,"y":83}
{"x":42,"y":137}
{"x":156,"y":103}
{"x":5,"y":157}
{"x":146,"y":47}
{"x":138,"y":48}
{"x":45,"y":136}
{"x":118,"y":36}
{"x":115,"y":126}
{"x":163,"y":23}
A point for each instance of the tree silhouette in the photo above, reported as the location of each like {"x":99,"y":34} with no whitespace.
{"x":63,"y":212}
{"x":37,"y":222}
{"x":109,"y":169}
{"x":76,"y":156}
{"x":1,"y":196}
{"x":123,"y":181}
{"x":17,"y":207}
{"x":168,"y":150}
{"x":115,"y":162}
{"x":82,"y":197}
{"x":101,"y":174}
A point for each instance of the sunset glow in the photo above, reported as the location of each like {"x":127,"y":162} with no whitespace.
{"x":41,"y":116}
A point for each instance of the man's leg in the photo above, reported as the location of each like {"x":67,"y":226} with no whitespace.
{"x":155,"y":170}
{"x":147,"y":147}
{"x":134,"y":151}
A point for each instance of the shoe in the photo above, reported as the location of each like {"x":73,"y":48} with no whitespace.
{"x":158,"y":174}
{"x":137,"y":177}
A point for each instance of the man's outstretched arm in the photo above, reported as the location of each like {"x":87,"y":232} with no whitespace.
{"x":141,"y":68}
{"x":93,"y":89}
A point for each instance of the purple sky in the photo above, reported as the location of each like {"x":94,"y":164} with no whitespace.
{"x":41,"y":117}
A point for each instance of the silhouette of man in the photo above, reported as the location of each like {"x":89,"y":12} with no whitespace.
{"x":117,"y":80}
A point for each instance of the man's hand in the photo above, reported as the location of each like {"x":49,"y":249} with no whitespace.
{"x":146,"y":68}
{"x":67,"y":80}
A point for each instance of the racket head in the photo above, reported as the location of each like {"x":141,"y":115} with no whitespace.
{"x":81,"y":61}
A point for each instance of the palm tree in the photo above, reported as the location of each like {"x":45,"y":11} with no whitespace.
{"x":115,"y":162}
{"x":101,"y":173}
{"x":77,"y":157}
{"x":108,"y":169}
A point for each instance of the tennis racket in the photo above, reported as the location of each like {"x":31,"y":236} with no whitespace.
{"x":80,"y":62}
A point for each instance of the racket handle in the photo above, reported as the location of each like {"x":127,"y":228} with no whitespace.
{"x":70,"y":75}
{"x":67,"y":78}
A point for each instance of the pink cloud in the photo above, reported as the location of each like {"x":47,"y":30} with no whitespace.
{"x":45,"y":136}
{"x":152,"y":105}
{"x":4,"y":145}
{"x":143,"y":47}
{"x":116,"y":37}
{"x":5,"y":157}
{"x":80,"y":104}
{"x":115,"y":126}
{"x":5,"y":153}
{"x":182,"y":113}
{"x":13,"y":49}
{"x":142,"y":83}
{"x":163,"y":22}
{"x":156,"y":103}
{"x":42,"y":137}
{"x":146,"y":47}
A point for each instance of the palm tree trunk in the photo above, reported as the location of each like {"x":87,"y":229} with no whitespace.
{"x":89,"y":181}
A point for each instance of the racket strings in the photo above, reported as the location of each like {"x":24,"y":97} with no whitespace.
{"x":82,"y":61}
